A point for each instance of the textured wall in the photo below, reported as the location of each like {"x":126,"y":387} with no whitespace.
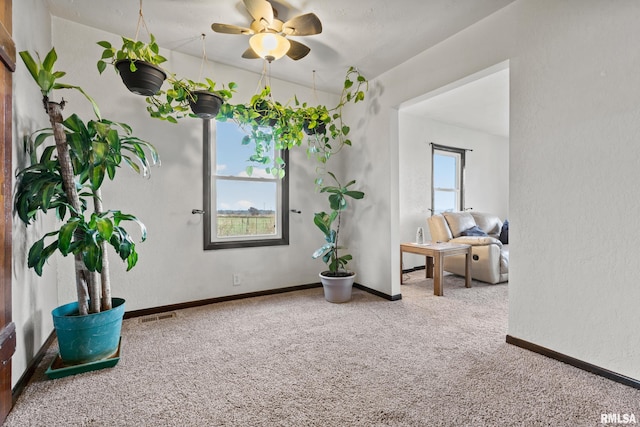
{"x":573,"y":167}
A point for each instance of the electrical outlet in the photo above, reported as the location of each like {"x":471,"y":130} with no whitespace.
{"x":237,"y":280}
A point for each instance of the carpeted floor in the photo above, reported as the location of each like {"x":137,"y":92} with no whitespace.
{"x":296,"y":360}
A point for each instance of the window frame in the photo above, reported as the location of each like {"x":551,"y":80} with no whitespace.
{"x":460,"y":174}
{"x":210,"y":209}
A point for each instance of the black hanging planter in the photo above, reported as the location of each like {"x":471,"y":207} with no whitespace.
{"x":145,"y":81}
{"x":206,"y":105}
{"x":320,"y":129}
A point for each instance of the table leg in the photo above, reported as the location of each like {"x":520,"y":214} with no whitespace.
{"x":437,"y":277}
{"x":401,"y":265}
{"x":467,"y":269}
{"x":429,"y":266}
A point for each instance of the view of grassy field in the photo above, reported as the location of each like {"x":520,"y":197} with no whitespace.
{"x":246,"y":225}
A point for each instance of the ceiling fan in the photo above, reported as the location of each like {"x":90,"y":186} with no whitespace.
{"x":269,"y":34}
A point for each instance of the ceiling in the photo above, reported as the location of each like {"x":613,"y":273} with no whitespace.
{"x":373,"y":35}
{"x":481,"y":104}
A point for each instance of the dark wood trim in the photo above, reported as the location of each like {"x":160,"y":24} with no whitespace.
{"x":7,"y":46}
{"x":378,"y":293}
{"x":7,"y":66}
{"x":411,"y":270}
{"x":613,"y":376}
{"x":31,"y":368}
{"x":199,"y":303}
{"x":7,"y":342}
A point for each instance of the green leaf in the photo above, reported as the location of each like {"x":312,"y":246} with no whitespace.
{"x":35,"y":253}
{"x":92,"y":257}
{"x":105,"y":228}
{"x":354,"y":194}
{"x":66,"y":235}
{"x":101,"y":66}
{"x":30,"y":63}
{"x":50,"y":60}
{"x":132,"y":259}
{"x":97,"y":176}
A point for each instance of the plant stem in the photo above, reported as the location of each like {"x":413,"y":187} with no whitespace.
{"x":104,"y":276}
{"x":54,"y":110}
{"x":336,"y":251}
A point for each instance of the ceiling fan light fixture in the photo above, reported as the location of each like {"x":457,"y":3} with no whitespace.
{"x":270,"y":46}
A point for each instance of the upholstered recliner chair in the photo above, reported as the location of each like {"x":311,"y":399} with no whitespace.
{"x":490,"y":257}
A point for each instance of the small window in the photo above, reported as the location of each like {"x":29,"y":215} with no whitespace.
{"x":447,"y":180}
{"x":241,"y":210}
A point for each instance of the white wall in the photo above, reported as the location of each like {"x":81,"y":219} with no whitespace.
{"x":574,"y":165}
{"x":574,"y":153}
{"x":33,"y":297}
{"x":573,"y":161}
{"x":173,"y":267}
{"x":486,"y":173}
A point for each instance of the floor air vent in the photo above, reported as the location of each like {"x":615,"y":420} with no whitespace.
{"x":156,"y":317}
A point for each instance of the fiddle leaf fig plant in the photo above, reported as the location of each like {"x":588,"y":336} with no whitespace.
{"x":68,"y":174}
{"x":329,"y":225}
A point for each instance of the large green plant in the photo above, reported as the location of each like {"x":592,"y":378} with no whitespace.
{"x":70,"y":173}
{"x":271,"y":124}
{"x":329,"y":225}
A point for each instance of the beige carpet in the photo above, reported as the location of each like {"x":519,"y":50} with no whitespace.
{"x":295,"y":360}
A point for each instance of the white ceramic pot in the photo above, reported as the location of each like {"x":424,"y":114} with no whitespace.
{"x":337,"y":289}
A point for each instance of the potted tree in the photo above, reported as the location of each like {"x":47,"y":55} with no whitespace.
{"x":65,"y":179}
{"x":337,"y":281}
{"x":137,"y":63}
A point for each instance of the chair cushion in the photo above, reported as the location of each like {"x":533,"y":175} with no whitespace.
{"x":489,"y":223}
{"x":504,"y":233}
{"x":459,"y":222}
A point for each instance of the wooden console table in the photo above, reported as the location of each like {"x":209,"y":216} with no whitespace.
{"x":435,"y":254}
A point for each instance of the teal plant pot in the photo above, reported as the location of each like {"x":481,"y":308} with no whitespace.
{"x":88,"y":338}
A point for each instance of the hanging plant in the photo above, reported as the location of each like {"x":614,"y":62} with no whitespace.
{"x":135,"y":61}
{"x":186,"y":98}
{"x":328,"y":133}
{"x":270,"y":124}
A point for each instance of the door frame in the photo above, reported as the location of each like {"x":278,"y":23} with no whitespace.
{"x":7,"y":327}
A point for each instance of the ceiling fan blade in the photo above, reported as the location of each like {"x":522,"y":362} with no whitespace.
{"x":297,"y":50}
{"x":302,"y":25}
{"x":260,"y":10}
{"x":250,"y":54}
{"x":230,"y":29}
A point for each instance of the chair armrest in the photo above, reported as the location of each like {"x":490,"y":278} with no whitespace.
{"x":477,"y":240}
